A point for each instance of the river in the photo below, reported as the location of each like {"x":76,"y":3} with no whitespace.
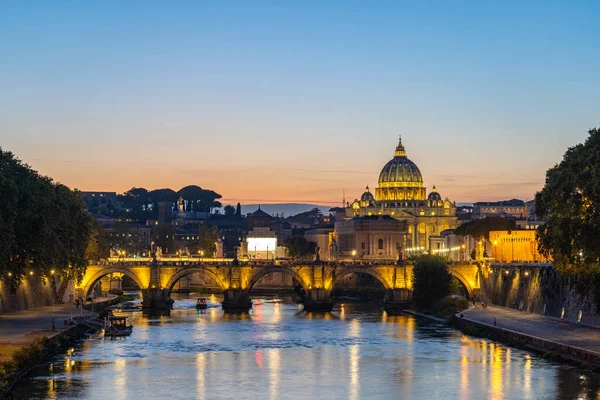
{"x":278,"y":352}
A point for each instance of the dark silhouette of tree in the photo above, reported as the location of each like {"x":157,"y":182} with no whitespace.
{"x":158,"y":195}
{"x":97,"y":248}
{"x":203,"y":200}
{"x":43,"y":225}
{"x":238,"y":210}
{"x":229,"y":211}
{"x":481,"y":228}
{"x":570,"y":204}
{"x":431,"y":279}
{"x":300,"y":248}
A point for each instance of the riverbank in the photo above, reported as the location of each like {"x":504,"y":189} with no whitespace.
{"x":34,"y":336}
{"x":551,"y":338}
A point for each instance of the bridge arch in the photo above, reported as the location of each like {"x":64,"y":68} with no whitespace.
{"x":188,"y":271}
{"x":359,"y":270}
{"x":257,"y":276}
{"x":91,"y":282}
{"x":464,"y":282}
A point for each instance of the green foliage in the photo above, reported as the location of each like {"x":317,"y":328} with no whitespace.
{"x":98,"y":246}
{"x":300,"y":248}
{"x":43,"y":225}
{"x":448,"y":306}
{"x":208,"y":237}
{"x":481,"y":227}
{"x":431,"y":280}
{"x":570,"y":205}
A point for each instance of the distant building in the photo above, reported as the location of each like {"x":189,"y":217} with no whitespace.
{"x":323,"y":237}
{"x":369,"y":238}
{"x":104,"y":221}
{"x":514,"y":208}
{"x":464,"y":213}
{"x":165,"y":212}
{"x":261,"y":241}
{"x":515,"y":245}
{"x":258,"y":219}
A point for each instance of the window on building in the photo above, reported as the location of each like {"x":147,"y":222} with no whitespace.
{"x":362,"y":245}
{"x":380,"y":244}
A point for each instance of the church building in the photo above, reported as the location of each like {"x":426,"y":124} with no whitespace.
{"x":400,"y":194}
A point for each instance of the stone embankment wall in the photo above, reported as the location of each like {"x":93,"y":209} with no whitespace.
{"x":31,"y":293}
{"x":539,"y":289}
{"x":553,"y":350}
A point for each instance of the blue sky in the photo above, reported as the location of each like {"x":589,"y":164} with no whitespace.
{"x":268,"y":102}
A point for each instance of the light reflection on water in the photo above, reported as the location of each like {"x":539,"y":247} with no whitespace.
{"x":277,"y":351}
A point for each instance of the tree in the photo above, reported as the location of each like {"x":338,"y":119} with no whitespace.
{"x":299,"y":247}
{"x":308,"y":217}
{"x":480,"y":228}
{"x":569,"y":202}
{"x":202,"y":199}
{"x":229,"y":211}
{"x":238,"y":210}
{"x":44,"y":228}
{"x":98,"y":248}
{"x":431,"y":280}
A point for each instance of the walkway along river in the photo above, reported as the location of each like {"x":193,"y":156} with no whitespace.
{"x":277,"y":351}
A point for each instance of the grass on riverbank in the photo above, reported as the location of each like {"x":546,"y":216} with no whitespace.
{"x":446,"y":307}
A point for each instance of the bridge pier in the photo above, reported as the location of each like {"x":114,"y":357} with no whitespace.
{"x":397,"y":300}
{"x":156,"y":299}
{"x":236,"y":300}
{"x":317,"y":300}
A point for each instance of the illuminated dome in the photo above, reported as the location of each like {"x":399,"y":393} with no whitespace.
{"x":367,"y":196}
{"x":367,"y":199}
{"x":434,"y":195}
{"x":400,"y":179}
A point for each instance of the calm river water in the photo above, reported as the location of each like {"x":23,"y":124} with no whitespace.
{"x":278,"y":352}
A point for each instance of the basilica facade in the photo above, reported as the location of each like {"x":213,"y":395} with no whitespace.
{"x":400,"y":194}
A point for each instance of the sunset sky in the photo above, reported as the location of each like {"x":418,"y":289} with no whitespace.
{"x":272,"y":102}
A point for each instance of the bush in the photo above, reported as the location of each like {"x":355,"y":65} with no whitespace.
{"x":448,"y":306}
{"x":29,"y":355}
{"x":431,"y":280}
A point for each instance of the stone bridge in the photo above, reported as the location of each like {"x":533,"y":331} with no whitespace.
{"x":157,"y":278}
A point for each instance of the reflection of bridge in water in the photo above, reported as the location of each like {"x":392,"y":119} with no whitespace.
{"x":157,"y":278}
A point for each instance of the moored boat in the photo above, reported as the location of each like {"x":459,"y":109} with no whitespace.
{"x":115,"y":326}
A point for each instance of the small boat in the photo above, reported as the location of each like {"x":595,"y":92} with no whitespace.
{"x":117,"y":326}
{"x":201,"y":304}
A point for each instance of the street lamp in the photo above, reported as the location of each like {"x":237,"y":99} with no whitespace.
{"x":353,"y":255}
